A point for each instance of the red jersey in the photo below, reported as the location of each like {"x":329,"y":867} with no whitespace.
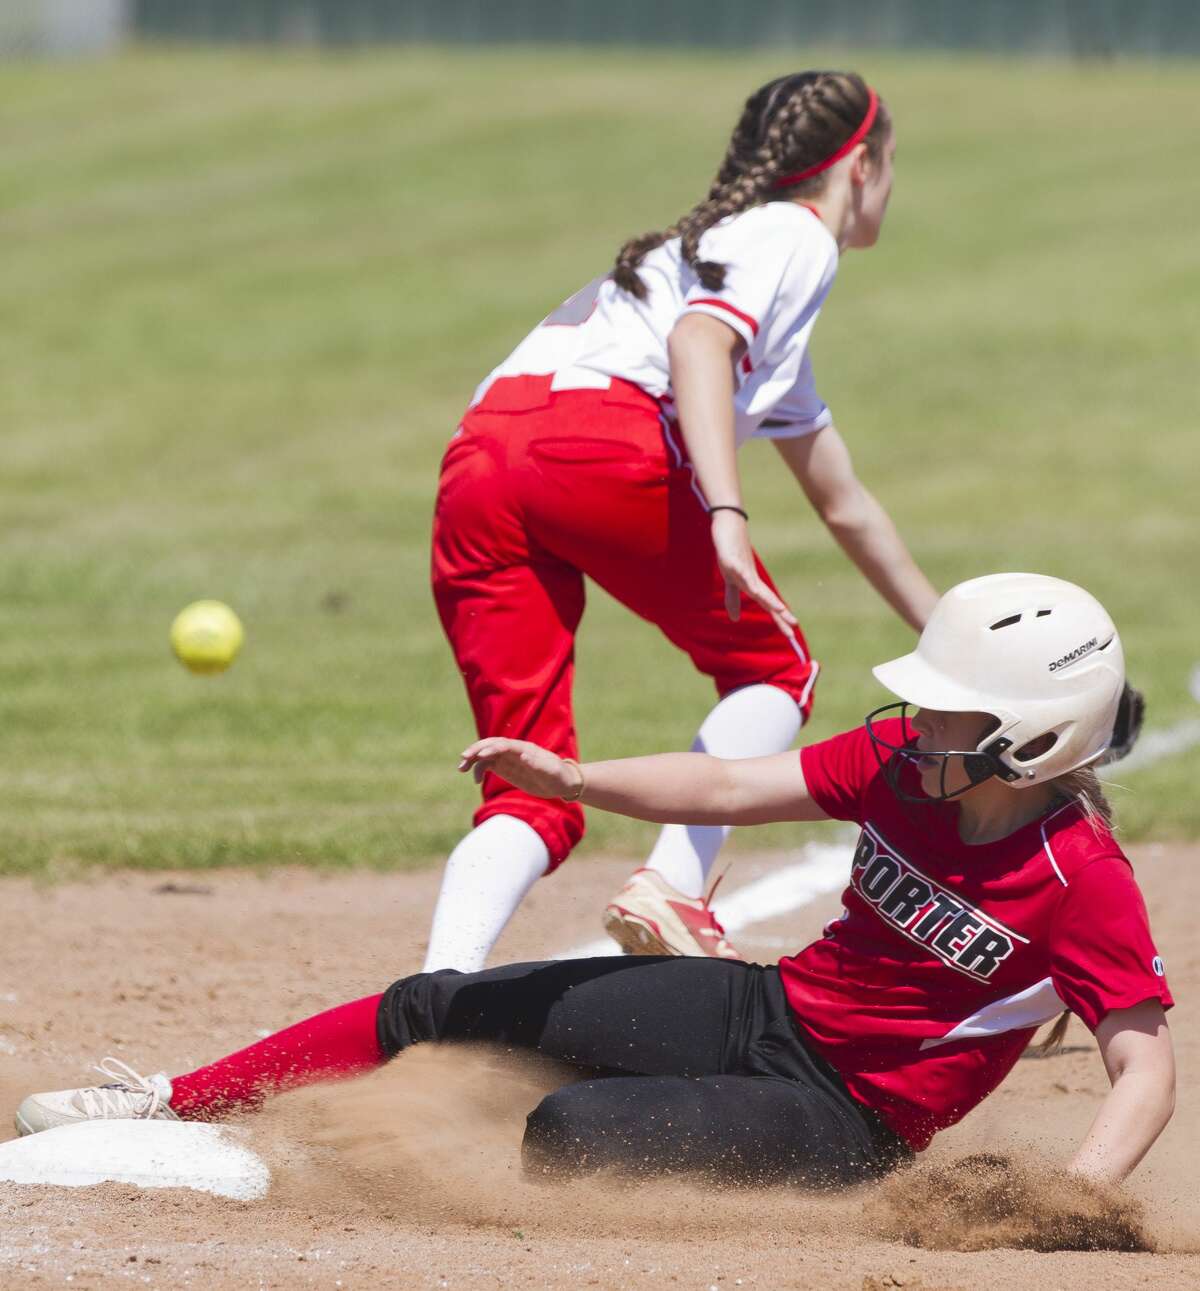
{"x":948,"y":956}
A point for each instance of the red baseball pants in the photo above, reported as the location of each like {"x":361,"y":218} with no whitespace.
{"x":539,"y":488}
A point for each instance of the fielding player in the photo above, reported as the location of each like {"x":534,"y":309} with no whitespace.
{"x":606,"y":445}
{"x":986,"y":895}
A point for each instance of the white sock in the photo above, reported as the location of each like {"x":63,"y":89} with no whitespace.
{"x":749,"y":723}
{"x":486,"y":878}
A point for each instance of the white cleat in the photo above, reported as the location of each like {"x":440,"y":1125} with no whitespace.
{"x":649,"y":917}
{"x":128,"y":1097}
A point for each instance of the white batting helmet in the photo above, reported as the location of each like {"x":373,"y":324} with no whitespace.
{"x":1039,"y":654}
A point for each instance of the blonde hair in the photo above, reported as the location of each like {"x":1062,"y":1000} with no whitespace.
{"x":1084,"y":788}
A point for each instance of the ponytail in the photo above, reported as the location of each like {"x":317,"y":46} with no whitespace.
{"x":790,"y":125}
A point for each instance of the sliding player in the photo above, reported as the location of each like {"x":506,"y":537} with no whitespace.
{"x":986,"y":895}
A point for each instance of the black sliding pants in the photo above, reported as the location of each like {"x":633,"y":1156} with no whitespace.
{"x":701,"y":1068}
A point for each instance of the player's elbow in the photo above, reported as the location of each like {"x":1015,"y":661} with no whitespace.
{"x":1158,"y":1090}
{"x":1153,"y":1082}
{"x":1167,"y":1096}
{"x":1161,"y":1106}
{"x":738,"y":799}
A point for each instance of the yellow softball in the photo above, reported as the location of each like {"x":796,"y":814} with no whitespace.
{"x":206,"y":636}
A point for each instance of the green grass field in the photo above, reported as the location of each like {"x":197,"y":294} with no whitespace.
{"x":246,"y":296}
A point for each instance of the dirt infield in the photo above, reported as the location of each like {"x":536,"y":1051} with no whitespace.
{"x":411,"y":1177}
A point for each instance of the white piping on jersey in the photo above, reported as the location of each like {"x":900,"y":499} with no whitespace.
{"x":790,"y":637}
{"x":1050,"y":854}
{"x":1046,"y":840}
{"x":988,"y":919}
{"x":1028,"y":1008}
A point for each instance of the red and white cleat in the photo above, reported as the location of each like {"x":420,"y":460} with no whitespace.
{"x":649,"y":917}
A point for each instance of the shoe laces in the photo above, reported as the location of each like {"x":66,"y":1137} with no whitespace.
{"x":112,"y":1099}
{"x":706,"y":901}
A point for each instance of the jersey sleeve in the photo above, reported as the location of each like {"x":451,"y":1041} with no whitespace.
{"x":800,"y":412}
{"x":777,"y":274}
{"x":1102,"y":956}
{"x":837,"y":772}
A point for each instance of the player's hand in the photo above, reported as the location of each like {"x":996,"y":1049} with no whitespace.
{"x":735,"y":557}
{"x":525,"y":765}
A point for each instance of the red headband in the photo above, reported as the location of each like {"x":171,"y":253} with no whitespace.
{"x":786,"y":181}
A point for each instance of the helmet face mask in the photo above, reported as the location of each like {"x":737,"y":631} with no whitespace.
{"x":980,"y":764}
{"x":1038,"y":655}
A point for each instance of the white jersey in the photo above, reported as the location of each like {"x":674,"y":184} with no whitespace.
{"x":780,"y":261}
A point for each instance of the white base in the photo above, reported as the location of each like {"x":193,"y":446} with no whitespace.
{"x":148,"y":1154}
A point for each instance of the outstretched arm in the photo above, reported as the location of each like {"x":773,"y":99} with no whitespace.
{"x":1138,"y":1056}
{"x":863,"y":529}
{"x":669,"y":788}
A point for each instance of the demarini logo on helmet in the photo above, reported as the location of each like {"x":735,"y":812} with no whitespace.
{"x":1072,"y":656}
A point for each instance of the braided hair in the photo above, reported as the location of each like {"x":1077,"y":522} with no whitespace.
{"x":786,"y":126}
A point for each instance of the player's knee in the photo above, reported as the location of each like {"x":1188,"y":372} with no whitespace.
{"x":796,"y":681}
{"x":414,"y":1009}
{"x":570,"y":828}
{"x":560,"y":824}
{"x":560,"y":1134}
